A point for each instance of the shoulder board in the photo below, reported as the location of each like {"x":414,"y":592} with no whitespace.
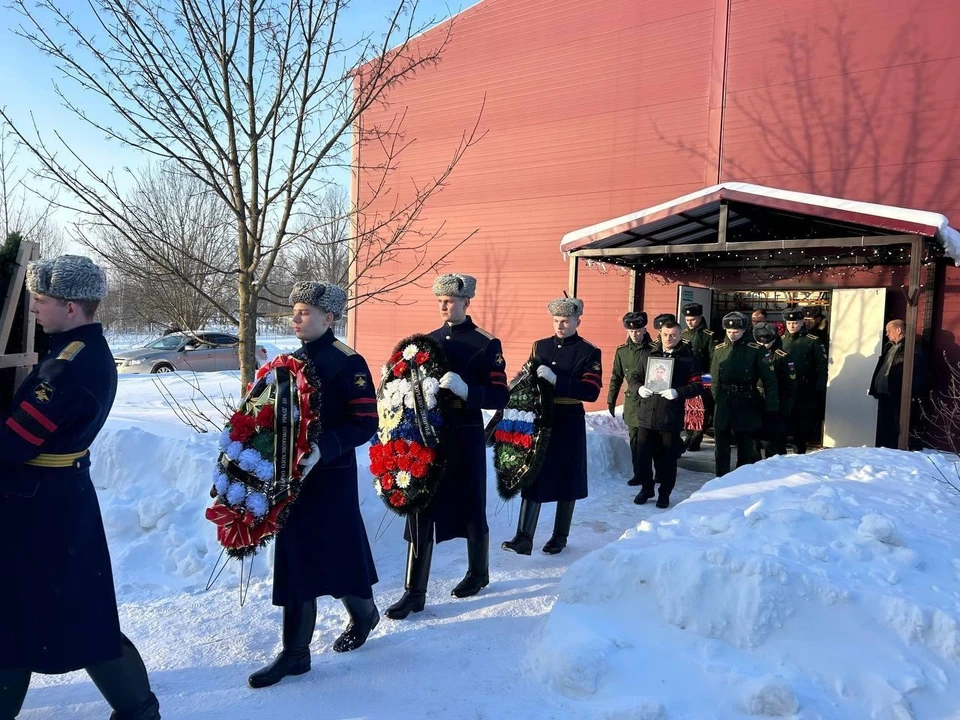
{"x":708,"y":332}
{"x":70,"y":351}
{"x":620,"y":347}
{"x":345,"y":349}
{"x":487,"y":335}
{"x":780,"y":353}
{"x":684,"y":341}
{"x":812,"y":336}
{"x":755,"y":346}
{"x":719,"y":344}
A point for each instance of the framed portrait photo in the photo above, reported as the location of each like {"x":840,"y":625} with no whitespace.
{"x":659,"y":373}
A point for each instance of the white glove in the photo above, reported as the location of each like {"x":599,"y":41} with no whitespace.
{"x":547,"y":374}
{"x":306,"y":465}
{"x":644,"y":392}
{"x":670,"y":394}
{"x":455,"y":384}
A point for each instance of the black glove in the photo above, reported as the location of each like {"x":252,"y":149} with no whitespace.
{"x":613,"y":409}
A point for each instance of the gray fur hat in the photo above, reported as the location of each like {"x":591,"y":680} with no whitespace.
{"x":455,"y":285}
{"x":326,"y":297}
{"x":565,"y":307}
{"x":68,"y":277}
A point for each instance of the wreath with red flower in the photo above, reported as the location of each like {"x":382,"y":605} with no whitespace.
{"x":258,"y":475}
{"x":406,"y":455}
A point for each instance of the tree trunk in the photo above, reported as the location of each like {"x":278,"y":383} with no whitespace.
{"x":247,"y":311}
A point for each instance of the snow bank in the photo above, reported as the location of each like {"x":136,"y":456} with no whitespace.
{"x":825,"y":586}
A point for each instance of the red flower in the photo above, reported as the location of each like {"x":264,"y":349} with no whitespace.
{"x":399,"y":447}
{"x":400,"y":368}
{"x":377,"y":467}
{"x":242,"y":427}
{"x":404,"y":462}
{"x":390,"y":462}
{"x":398,"y":500}
{"x":428,"y":455}
{"x":395,"y":358}
{"x":265,"y":416}
{"x":386,"y":482}
{"x":418,"y":470}
{"x":526,"y":441}
{"x":415,"y":448}
{"x":421,"y":357}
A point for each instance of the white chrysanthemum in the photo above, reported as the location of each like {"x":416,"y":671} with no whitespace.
{"x":236,"y":493}
{"x":391,"y":387}
{"x":257,"y":504}
{"x":233,"y":450}
{"x":408,"y":400}
{"x":404,"y":386}
{"x":224,"y":439}
{"x":509,"y":414}
{"x":264,"y":470}
{"x":220,"y":481}
{"x":528,"y":416}
{"x":410,"y":351}
{"x":377,"y":488}
{"x":249,"y":459}
{"x":384,"y":371}
{"x":431,"y":402}
{"x":403,"y":479}
{"x":431,"y":386}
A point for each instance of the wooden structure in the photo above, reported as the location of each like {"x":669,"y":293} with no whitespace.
{"x":17,"y":297}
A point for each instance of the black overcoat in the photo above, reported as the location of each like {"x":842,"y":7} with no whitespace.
{"x":58,"y":609}
{"x":322,"y":548}
{"x":656,"y":412}
{"x":577,"y":364}
{"x":459,"y":508}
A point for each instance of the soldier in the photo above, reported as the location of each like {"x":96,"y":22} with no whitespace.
{"x":660,"y":414}
{"x":701,"y":342}
{"x":810,"y":359}
{"x":775,"y":424}
{"x":736,"y":368}
{"x":322,"y":547}
{"x":459,"y":509}
{"x":816,"y":324}
{"x":58,"y":608}
{"x":624,"y":363}
{"x":573,"y":366}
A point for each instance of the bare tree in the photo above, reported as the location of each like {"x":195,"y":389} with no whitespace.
{"x":21,"y":210}
{"x":256,"y":99}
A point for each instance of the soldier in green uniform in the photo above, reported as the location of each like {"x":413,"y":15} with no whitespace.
{"x":775,"y":424}
{"x":701,"y":342}
{"x":736,"y":368}
{"x":815,"y":323}
{"x":626,"y":360}
{"x":810,"y":358}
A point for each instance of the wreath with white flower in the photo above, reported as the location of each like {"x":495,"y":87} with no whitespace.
{"x":520,"y":432}
{"x":258,"y":474}
{"x":405,"y":455}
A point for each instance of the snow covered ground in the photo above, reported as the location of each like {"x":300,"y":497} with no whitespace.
{"x":824,"y":586}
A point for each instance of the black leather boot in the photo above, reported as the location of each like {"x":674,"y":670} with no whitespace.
{"x":298,"y":625}
{"x":364,"y":617}
{"x":124,"y":685}
{"x":522,"y":543}
{"x":478,"y":567}
{"x":418,"y":573}
{"x":561,"y":528}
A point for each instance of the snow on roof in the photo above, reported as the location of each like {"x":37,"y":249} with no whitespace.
{"x":889,"y":217}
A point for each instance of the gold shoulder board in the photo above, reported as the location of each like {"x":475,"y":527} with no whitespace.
{"x":483,"y":332}
{"x":70,"y":351}
{"x":345,"y":349}
{"x":708,"y":332}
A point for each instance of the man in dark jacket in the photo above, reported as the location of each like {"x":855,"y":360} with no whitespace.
{"x":322,"y":548}
{"x":701,"y":340}
{"x":660,"y":414}
{"x":738,"y":365}
{"x":810,"y":360}
{"x":887,"y":383}
{"x":58,"y":609}
{"x":572,"y":365}
{"x":477,"y":380}
{"x":624,"y":363}
{"x":774,"y":429}
{"x":816,"y":324}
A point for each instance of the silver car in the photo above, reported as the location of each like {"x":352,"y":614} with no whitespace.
{"x":198,"y":351}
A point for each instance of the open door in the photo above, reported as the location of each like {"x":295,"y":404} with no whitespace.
{"x":687,"y":294}
{"x":856,"y":335}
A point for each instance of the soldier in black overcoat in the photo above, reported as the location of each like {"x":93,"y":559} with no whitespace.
{"x":660,"y":413}
{"x":476,"y":380}
{"x":574,"y":368}
{"x":322,"y":547}
{"x":58,"y":608}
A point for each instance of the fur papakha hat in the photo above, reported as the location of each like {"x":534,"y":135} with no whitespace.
{"x":635,"y":320}
{"x":68,"y":277}
{"x":455,"y":285}
{"x":565,"y":307}
{"x":326,"y":297}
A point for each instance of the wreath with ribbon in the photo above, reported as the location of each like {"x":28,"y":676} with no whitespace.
{"x":258,"y":475}
{"x":520,"y":432}
{"x":406,"y":459}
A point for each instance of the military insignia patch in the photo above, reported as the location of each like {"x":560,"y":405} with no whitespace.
{"x":360,"y":380}
{"x":596,"y":367}
{"x":43,"y":392}
{"x":498,"y":360}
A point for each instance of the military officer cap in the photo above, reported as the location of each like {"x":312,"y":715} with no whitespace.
{"x":662,"y":319}
{"x":635,"y":320}
{"x":68,"y":277}
{"x":455,"y":285}
{"x":735,"y":321}
{"x":693,"y":310}
{"x":329,"y":298}
{"x":812,"y":312}
{"x":764,"y":332}
{"x":565,"y":307}
{"x":793,"y":314}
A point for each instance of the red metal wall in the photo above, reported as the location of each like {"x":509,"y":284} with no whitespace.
{"x":597,"y":108}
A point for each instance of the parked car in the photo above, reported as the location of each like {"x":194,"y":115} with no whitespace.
{"x":199,"y":351}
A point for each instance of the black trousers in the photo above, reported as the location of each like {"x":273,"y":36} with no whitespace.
{"x":662,"y":449}
{"x":888,"y":421}
{"x":746,"y":449}
{"x":642,"y":470}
